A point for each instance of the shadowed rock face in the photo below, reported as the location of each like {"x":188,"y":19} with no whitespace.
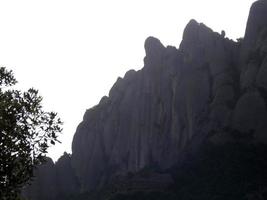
{"x":53,"y":181}
{"x":152,"y":115}
{"x":256,"y":28}
{"x":209,"y":89}
{"x":44,"y":186}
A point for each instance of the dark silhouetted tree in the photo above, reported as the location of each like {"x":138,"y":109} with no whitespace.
{"x":26,"y":132}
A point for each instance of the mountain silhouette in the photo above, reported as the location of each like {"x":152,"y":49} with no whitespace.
{"x":191,"y":124}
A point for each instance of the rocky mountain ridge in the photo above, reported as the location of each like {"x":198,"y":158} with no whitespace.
{"x":211,"y":89}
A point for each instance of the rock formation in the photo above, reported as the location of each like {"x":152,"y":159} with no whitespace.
{"x":210,"y":89}
{"x":53,"y":181}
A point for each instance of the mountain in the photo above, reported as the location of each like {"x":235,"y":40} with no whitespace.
{"x":191,"y":124}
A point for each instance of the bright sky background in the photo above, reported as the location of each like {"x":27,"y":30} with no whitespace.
{"x":74,"y":50}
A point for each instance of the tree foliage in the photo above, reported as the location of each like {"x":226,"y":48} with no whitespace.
{"x":26,"y":132}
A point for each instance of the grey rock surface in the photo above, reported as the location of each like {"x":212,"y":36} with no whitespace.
{"x":53,"y":181}
{"x":44,"y":186}
{"x":210,"y":87}
{"x":151,"y":115}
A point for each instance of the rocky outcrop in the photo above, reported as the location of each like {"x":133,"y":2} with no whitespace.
{"x":66,"y":179}
{"x":250,"y":111}
{"x":210,"y":89}
{"x":152,"y":115}
{"x":53,"y":181}
{"x":44,"y":186}
{"x":256,"y":26}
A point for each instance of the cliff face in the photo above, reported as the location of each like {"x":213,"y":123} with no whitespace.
{"x":210,"y":89}
{"x":53,"y":181}
{"x":250,"y":109}
{"x":153,"y":114}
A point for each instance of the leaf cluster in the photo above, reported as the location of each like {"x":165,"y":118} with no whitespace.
{"x":26,"y":132}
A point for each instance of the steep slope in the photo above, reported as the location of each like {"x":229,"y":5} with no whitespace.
{"x":44,"y":186}
{"x":53,"y":181}
{"x":203,"y":101}
{"x":250,"y":110}
{"x":152,"y":115}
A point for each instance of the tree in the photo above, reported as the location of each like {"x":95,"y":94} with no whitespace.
{"x":26,"y":132}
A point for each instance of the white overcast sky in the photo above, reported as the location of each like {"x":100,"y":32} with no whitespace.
{"x":74,"y":50}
